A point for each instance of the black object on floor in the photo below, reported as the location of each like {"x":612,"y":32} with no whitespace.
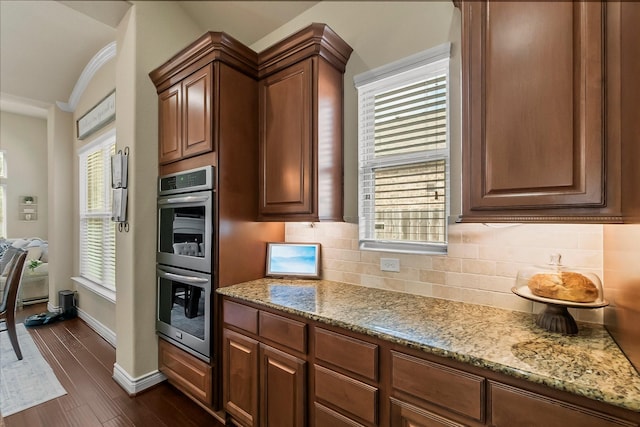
{"x":43,"y":318}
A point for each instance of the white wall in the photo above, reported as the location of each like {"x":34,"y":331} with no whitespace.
{"x":25,"y":141}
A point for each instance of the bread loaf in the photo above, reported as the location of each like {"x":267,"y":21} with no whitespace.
{"x":564,"y":286}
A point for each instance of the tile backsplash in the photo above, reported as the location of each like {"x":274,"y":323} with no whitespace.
{"x":480,"y":267}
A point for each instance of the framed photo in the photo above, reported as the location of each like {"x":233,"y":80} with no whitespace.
{"x":300,"y":260}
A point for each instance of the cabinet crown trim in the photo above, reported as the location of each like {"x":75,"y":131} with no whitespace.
{"x":316,"y":39}
{"x":214,"y":45}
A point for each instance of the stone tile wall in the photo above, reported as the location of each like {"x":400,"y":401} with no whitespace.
{"x":481,"y":265}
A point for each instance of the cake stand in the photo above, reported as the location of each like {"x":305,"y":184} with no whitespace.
{"x":556,"y":317}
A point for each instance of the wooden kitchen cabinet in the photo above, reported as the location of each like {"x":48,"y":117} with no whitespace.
{"x":301,"y":126}
{"x":240,"y":378}
{"x":341,"y":378}
{"x":542,"y":101}
{"x":185,"y":116}
{"x":262,"y":385}
{"x":185,"y":371}
{"x":283,"y":385}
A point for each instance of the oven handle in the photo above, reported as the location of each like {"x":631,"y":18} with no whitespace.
{"x":184,"y":199}
{"x":179,"y":277}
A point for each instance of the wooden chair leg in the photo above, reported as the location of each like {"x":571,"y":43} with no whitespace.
{"x":13,"y":336}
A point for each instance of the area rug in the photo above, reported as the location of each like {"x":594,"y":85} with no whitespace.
{"x":27,"y":382}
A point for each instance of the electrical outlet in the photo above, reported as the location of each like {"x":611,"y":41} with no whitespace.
{"x":390,"y":264}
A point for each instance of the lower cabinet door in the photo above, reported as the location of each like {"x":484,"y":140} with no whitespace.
{"x":406,"y":415}
{"x":240,"y":382}
{"x":283,"y":389}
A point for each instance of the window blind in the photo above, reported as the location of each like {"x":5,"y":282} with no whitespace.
{"x":404,"y":158}
{"x":3,"y":164}
{"x":97,"y":232}
{"x":412,"y":118}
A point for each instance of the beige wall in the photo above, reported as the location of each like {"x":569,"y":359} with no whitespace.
{"x":62,"y":233}
{"x":150,"y":34}
{"x":102,"y":84}
{"x":482,"y":262}
{"x":385,"y":32}
{"x":622,"y":275}
{"x":25,"y":141}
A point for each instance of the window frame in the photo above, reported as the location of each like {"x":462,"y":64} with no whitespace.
{"x":101,"y":143}
{"x":421,"y":66}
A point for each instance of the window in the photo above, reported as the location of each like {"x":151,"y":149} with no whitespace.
{"x":403,"y":144}
{"x":3,"y":194}
{"x":97,"y":232}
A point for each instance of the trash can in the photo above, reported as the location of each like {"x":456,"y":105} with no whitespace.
{"x":67,"y":302}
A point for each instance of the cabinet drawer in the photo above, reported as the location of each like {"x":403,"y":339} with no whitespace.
{"x":283,"y":331}
{"x":187,"y":372}
{"x":514,"y":407}
{"x":328,"y":417}
{"x":240,"y":316}
{"x":446,"y":387}
{"x":353,"y":355}
{"x":403,"y":414}
{"x":352,"y":396}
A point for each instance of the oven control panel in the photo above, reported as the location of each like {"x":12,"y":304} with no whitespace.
{"x":188,"y":181}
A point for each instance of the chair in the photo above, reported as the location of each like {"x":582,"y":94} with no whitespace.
{"x":10,"y":298}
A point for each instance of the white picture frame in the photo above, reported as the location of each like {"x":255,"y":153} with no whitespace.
{"x":294,"y":260}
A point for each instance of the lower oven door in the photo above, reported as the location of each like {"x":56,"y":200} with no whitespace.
{"x":184,"y":309}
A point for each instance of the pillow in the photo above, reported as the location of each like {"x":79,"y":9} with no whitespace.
{"x":45,"y":252}
{"x":20,"y":243}
{"x":35,"y":242}
{"x":34,"y":252}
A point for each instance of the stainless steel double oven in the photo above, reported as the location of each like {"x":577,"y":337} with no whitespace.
{"x":185,"y":239}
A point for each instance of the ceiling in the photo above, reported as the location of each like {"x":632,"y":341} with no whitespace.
{"x":45,"y":45}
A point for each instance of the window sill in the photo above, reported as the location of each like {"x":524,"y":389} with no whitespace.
{"x":105,"y":293}
{"x":404,"y":247}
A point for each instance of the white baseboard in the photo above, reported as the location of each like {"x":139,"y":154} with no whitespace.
{"x":100,"y":329}
{"x":134,"y":386}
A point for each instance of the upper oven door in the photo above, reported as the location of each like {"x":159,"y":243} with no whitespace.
{"x":185,"y":230}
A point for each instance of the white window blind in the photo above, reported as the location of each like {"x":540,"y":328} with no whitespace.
{"x":97,"y":232}
{"x":3,"y":164}
{"x":403,"y":142}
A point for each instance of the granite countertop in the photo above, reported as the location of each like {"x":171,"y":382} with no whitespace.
{"x":588,"y":364}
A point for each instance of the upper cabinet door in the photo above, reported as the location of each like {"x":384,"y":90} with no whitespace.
{"x":185,"y":115}
{"x":301,"y":126}
{"x":286,"y":141}
{"x":170,"y":124}
{"x":197,"y":93}
{"x":533,"y":105}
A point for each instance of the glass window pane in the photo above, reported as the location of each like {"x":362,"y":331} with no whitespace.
{"x":410,"y":202}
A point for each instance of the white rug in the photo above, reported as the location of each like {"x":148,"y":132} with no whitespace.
{"x":27,"y":382}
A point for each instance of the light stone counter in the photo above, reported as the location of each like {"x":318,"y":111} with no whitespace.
{"x":588,"y":364}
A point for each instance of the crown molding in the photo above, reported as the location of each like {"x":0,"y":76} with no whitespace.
{"x":99,"y":59}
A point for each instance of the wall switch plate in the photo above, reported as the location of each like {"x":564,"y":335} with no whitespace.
{"x":390,"y":264}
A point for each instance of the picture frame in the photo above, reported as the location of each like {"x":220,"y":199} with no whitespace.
{"x":293,"y":260}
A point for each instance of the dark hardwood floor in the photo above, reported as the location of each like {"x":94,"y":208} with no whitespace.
{"x":83,"y":363}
